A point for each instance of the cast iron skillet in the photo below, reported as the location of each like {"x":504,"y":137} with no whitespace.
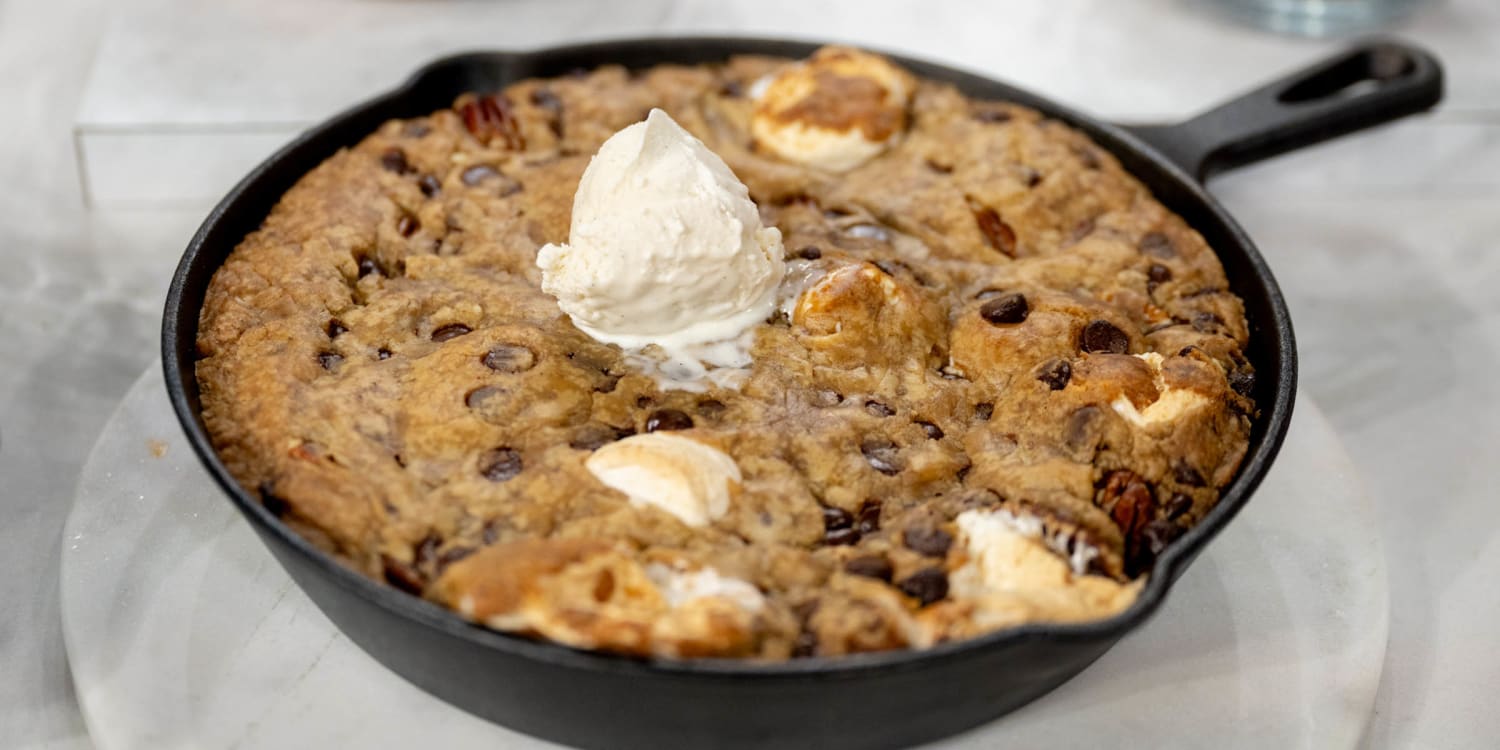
{"x":870,"y":700}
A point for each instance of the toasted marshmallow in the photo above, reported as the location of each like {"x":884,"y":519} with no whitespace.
{"x":1013,"y":574}
{"x":1170,"y":402}
{"x":679,"y":475}
{"x":837,"y":110}
{"x":682,"y":587}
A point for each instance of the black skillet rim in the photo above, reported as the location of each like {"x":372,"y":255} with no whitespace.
{"x":1272,"y":422}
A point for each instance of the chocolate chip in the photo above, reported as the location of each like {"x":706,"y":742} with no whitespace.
{"x":926,"y":585}
{"x":1243,"y":382}
{"x":336,"y":328}
{"x":841,"y":537}
{"x":877,"y":409}
{"x":1082,"y":430}
{"x":1007,"y":309}
{"x":711,"y":408}
{"x":593,"y":436}
{"x":668,"y":419}
{"x":806,"y":645}
{"x":1032,"y":177}
{"x":1178,"y":506}
{"x":1089,"y":157}
{"x":449,"y":332}
{"x":1101,"y":336}
{"x":367,"y":266}
{"x":933,"y":431}
{"x":996,"y":231}
{"x":452,"y":555}
{"x":407,"y":225}
{"x":810,"y":252}
{"x":500,"y":464}
{"x":330,"y":360}
{"x":426,"y":550}
{"x":825,"y":397}
{"x":1153,"y":541}
{"x":429,"y":185}
{"x":383,"y":353}
{"x":1157,"y":244}
{"x":402,"y":575}
{"x":1055,"y":373}
{"x":983,"y":411}
{"x":731,"y":89}
{"x":883,"y":455}
{"x":1158,"y":273}
{"x":992,"y":115}
{"x":475,"y":398}
{"x":869,"y":516}
{"x":548,"y":101}
{"x":478,"y":173}
{"x":1184,"y":473}
{"x":1207,"y":322}
{"x":509,"y":358}
{"x":927,"y":540}
{"x":870,"y":566}
{"x":836,"y":518}
{"x":939,"y":167}
{"x":394,"y":160}
{"x":275,"y":504}
{"x":642,"y":401}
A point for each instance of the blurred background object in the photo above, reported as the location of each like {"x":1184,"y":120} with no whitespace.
{"x":1319,"y":17}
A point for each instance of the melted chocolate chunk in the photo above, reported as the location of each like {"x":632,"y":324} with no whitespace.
{"x":927,"y":540}
{"x":394,"y":160}
{"x":509,"y":358}
{"x":870,"y":566}
{"x":877,"y":409}
{"x":450,"y":332}
{"x":869,"y":517}
{"x":933,"y":431}
{"x":329,"y":360}
{"x":927,"y":585}
{"x":841,"y":537}
{"x":336,"y":328}
{"x":595,"y":435}
{"x":1055,"y":373}
{"x":500,"y":464}
{"x":1007,"y":309}
{"x":1102,"y":337}
{"x":1158,"y":245}
{"x":882,"y":455}
{"x":1178,"y":506}
{"x":983,"y":411}
{"x":402,"y":575}
{"x":836,"y":518}
{"x":429,"y":185}
{"x":668,"y":419}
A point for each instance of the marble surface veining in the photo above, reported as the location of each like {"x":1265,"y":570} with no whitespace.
{"x":1384,"y":244}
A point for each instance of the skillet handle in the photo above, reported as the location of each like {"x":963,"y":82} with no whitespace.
{"x":1374,"y":82}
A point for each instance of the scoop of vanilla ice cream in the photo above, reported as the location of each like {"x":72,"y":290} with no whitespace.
{"x":665,"y":247}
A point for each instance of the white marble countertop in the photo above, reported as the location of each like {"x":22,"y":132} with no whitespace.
{"x":1382,"y":242}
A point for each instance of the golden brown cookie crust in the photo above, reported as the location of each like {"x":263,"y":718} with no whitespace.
{"x":379,"y":364}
